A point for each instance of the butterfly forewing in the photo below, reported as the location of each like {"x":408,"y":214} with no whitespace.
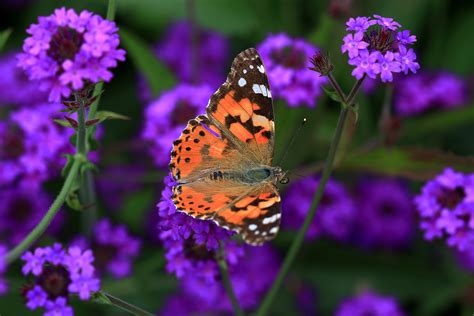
{"x":214,"y":151}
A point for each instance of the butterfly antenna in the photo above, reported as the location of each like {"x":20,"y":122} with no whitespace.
{"x":292,"y":140}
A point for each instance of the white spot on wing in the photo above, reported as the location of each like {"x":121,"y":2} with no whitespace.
{"x":251,"y":66}
{"x":244,"y":71}
{"x":261,"y":69}
{"x":256,"y":88}
{"x":274,"y":230}
{"x":242,"y":82}
{"x":252,"y":227}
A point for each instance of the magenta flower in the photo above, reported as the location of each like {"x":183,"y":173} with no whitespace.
{"x":386,"y":65}
{"x":354,"y":43}
{"x":57,"y":274}
{"x":379,"y":50}
{"x":446,"y":208}
{"x":3,"y":269}
{"x":66,"y":51}
{"x":388,"y":23}
{"x":359,"y":24}
{"x":369,"y":303}
{"x":286,"y":62}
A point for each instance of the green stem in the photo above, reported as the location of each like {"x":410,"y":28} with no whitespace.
{"x":81,"y":129}
{"x":111,"y":9}
{"x":227,"y":283}
{"x":49,"y":216}
{"x":327,"y":170}
{"x":132,"y":309}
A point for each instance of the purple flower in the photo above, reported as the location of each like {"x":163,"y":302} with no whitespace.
{"x":13,"y":80}
{"x":204,"y":296}
{"x":407,"y":59}
{"x":286,"y":63}
{"x":446,"y":208}
{"x":359,"y":24}
{"x":22,"y":207}
{"x":405,"y":38}
{"x":36,"y":297}
{"x":32,"y":145}
{"x":386,"y":65}
{"x":66,"y":51}
{"x":58,"y":307}
{"x":335,"y":216}
{"x":3,"y":269}
{"x":379,"y":50}
{"x":353,"y":43}
{"x":364,"y":64}
{"x":369,"y":303}
{"x":388,"y":23}
{"x":166,"y":117}
{"x":191,"y":244}
{"x":211,"y":55}
{"x":114,"y":248}
{"x":57,"y":273}
{"x":385,"y":217}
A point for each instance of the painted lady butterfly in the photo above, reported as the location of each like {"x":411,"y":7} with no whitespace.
{"x":222,"y":162}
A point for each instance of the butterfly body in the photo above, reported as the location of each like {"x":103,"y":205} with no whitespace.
{"x":222,"y":162}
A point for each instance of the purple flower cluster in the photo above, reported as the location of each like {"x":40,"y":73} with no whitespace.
{"x":21,"y":209}
{"x":369,"y":303}
{"x":286,"y":62}
{"x":375,"y":47}
{"x":191,"y":244}
{"x":113,"y":247}
{"x":385,"y":214}
{"x":446,"y":209}
{"x":429,"y":90}
{"x":167,"y":116}
{"x":210,"y":56}
{"x":66,"y":51}
{"x":251,"y":277}
{"x":15,"y":87}
{"x":336,"y":213}
{"x":32,"y":145}
{"x":56,"y":274}
{"x":3,"y":268}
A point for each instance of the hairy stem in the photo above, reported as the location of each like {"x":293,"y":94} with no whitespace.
{"x":227,"y":283}
{"x":327,"y":170}
{"x":132,"y":309}
{"x":16,"y":252}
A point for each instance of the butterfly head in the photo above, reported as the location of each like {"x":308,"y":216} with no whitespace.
{"x":280,"y":175}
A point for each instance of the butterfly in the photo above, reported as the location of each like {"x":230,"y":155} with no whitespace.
{"x":222,"y":162}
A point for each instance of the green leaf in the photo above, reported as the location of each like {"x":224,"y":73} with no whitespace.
{"x":332,"y":94}
{"x":4,"y":35}
{"x":100,"y":298}
{"x":62,"y":122}
{"x":109,"y":115}
{"x":156,"y":75}
{"x":86,"y":166}
{"x":409,"y":162}
{"x":72,"y":200}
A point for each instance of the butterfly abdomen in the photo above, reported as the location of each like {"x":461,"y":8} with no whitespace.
{"x":251,"y":176}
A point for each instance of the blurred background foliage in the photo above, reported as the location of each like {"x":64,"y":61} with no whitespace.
{"x":424,"y":277}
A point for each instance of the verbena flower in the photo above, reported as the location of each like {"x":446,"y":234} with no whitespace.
{"x":55,"y":274}
{"x":191,"y":244}
{"x":166,"y":117}
{"x":385,"y":214}
{"x":425,"y":91}
{"x":369,"y":303}
{"x":210,"y":59}
{"x":336,"y":213}
{"x":446,"y":208}
{"x":21,"y":209}
{"x":15,"y":87}
{"x":66,"y":51}
{"x":286,"y":62}
{"x":250,"y":279}
{"x":32,"y":145}
{"x":377,"y":49}
{"x":3,"y":269}
{"x":114,"y":248}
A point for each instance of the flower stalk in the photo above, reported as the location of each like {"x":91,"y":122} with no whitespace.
{"x":224,"y":269}
{"x":327,"y":170}
{"x":132,"y":309}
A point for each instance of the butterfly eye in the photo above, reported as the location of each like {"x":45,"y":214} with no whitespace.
{"x":284,"y":180}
